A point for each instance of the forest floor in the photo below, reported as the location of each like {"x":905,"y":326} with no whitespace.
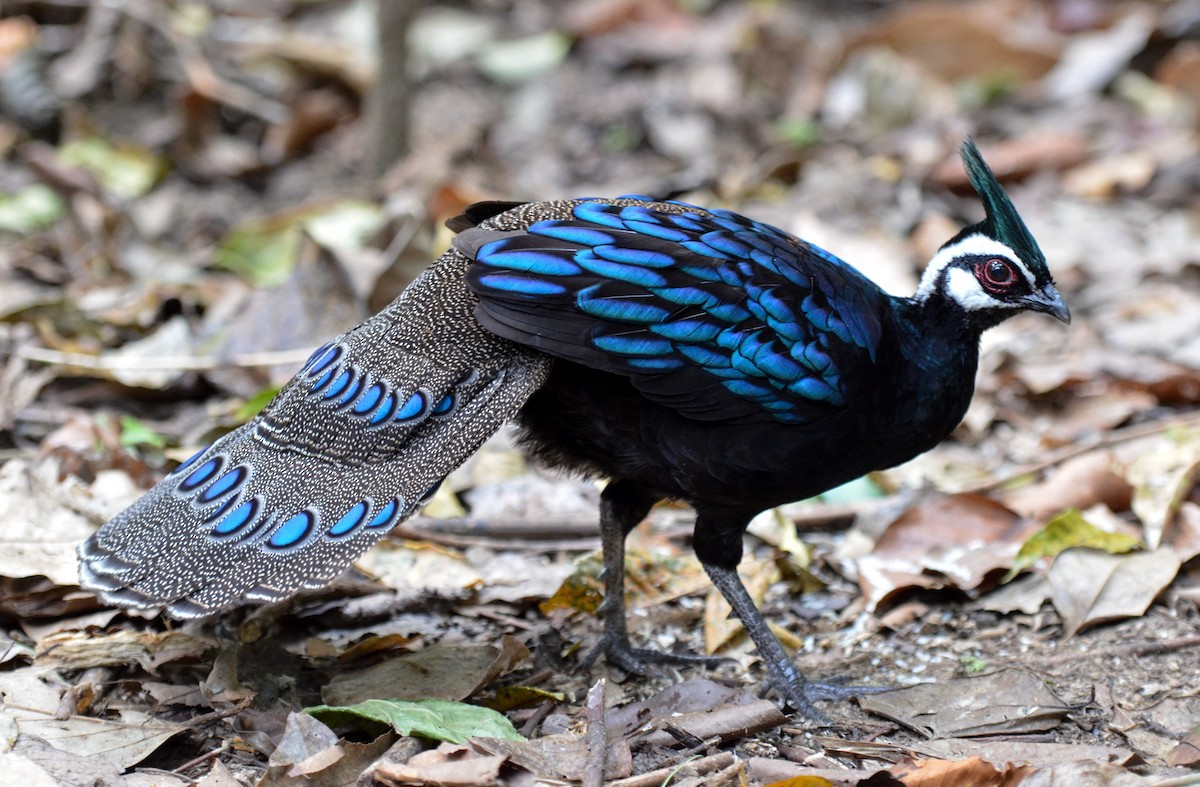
{"x":185,"y":212}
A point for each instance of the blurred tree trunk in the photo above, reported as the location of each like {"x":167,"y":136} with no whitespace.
{"x":388,"y":107}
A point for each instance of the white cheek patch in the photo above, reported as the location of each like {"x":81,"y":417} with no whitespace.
{"x":964,"y":289}
{"x":971,"y":245}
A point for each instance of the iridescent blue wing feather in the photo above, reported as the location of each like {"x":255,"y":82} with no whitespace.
{"x":715,"y":315}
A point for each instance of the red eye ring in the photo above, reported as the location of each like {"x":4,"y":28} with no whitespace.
{"x":997,"y":274}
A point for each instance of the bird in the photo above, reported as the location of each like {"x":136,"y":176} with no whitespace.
{"x":677,"y":352}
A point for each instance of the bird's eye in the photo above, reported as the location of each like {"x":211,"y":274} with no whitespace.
{"x":996,"y":274}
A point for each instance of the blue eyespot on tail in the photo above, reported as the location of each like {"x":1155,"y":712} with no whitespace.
{"x":201,"y":474}
{"x":239,"y":519}
{"x":350,"y":520}
{"x":386,"y":515}
{"x":293,"y":531}
{"x":227,"y":483}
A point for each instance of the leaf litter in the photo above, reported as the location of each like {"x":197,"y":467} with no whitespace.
{"x":176,"y":242}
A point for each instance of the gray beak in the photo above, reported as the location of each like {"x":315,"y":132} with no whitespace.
{"x":1048,"y":301}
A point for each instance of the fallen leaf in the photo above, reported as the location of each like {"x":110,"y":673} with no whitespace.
{"x":956,"y":541}
{"x":562,"y":757}
{"x":1007,"y":702}
{"x":450,"y":672}
{"x":309,"y":753}
{"x":147,"y":649}
{"x":1024,"y":594}
{"x":1162,"y":479}
{"x":1021,"y":752}
{"x":960,"y":40}
{"x":973,"y":771}
{"x":1080,"y":483}
{"x":1186,"y":753}
{"x":439,"y":720}
{"x":123,"y":741}
{"x":449,"y":765}
{"x":1069,"y":529}
{"x":1089,"y":587}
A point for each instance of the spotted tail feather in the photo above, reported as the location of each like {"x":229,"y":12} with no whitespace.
{"x":351,"y":446}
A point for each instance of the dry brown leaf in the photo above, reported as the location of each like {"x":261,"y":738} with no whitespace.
{"x":728,"y":722}
{"x":448,"y":672}
{"x":218,"y":776}
{"x":1021,"y":752}
{"x":1019,"y":157}
{"x":1024,"y":594}
{"x":562,"y":757}
{"x":1183,"y":536}
{"x":1163,"y":476}
{"x":1108,"y":177}
{"x":1093,"y":414}
{"x":955,"y":541}
{"x":1007,"y":702}
{"x":1180,"y":70}
{"x":31,"y":699}
{"x":973,"y":771}
{"x":957,"y":40}
{"x":1089,"y":587}
{"x":310,"y":753}
{"x":449,"y":765}
{"x":1078,"y":483}
{"x":147,"y":649}
{"x":1187,"y":753}
{"x":689,"y":696}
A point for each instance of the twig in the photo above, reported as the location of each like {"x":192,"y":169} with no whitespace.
{"x":597,"y":736}
{"x":205,"y":718}
{"x":1130,"y":650}
{"x":90,"y":687}
{"x":526,"y":545}
{"x":700,"y":767}
{"x":203,"y":758}
{"x":1128,"y":434}
{"x":531,"y":724}
{"x":557,"y":527}
{"x":110,"y":362}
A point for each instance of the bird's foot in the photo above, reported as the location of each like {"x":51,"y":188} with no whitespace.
{"x":800,"y":693}
{"x":637,"y":661}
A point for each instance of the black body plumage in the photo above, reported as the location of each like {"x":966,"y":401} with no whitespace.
{"x":683,"y":353}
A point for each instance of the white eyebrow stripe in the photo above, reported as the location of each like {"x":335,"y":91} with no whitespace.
{"x":975,"y":244}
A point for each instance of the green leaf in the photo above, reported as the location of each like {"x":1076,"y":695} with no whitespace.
{"x":440,"y":720}
{"x":30,"y":209}
{"x":519,"y":60}
{"x":348,"y":224}
{"x":134,"y":433}
{"x":262,"y":251}
{"x":125,"y":171}
{"x":973,"y":665}
{"x":254,"y":405}
{"x":512,"y":697}
{"x":861,"y":488}
{"x":798,"y":132}
{"x":1068,"y":529}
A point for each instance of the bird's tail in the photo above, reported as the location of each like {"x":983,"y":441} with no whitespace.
{"x":351,"y":445}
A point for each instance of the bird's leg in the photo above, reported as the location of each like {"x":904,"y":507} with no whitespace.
{"x":622,"y":506}
{"x":798,"y":691}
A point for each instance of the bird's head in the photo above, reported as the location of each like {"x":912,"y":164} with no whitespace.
{"x":993,"y":269}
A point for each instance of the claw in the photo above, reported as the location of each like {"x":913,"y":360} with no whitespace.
{"x":800,"y":694}
{"x":636,"y":661}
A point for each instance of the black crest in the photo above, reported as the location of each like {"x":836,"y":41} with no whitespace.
{"x":1003,"y":222}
